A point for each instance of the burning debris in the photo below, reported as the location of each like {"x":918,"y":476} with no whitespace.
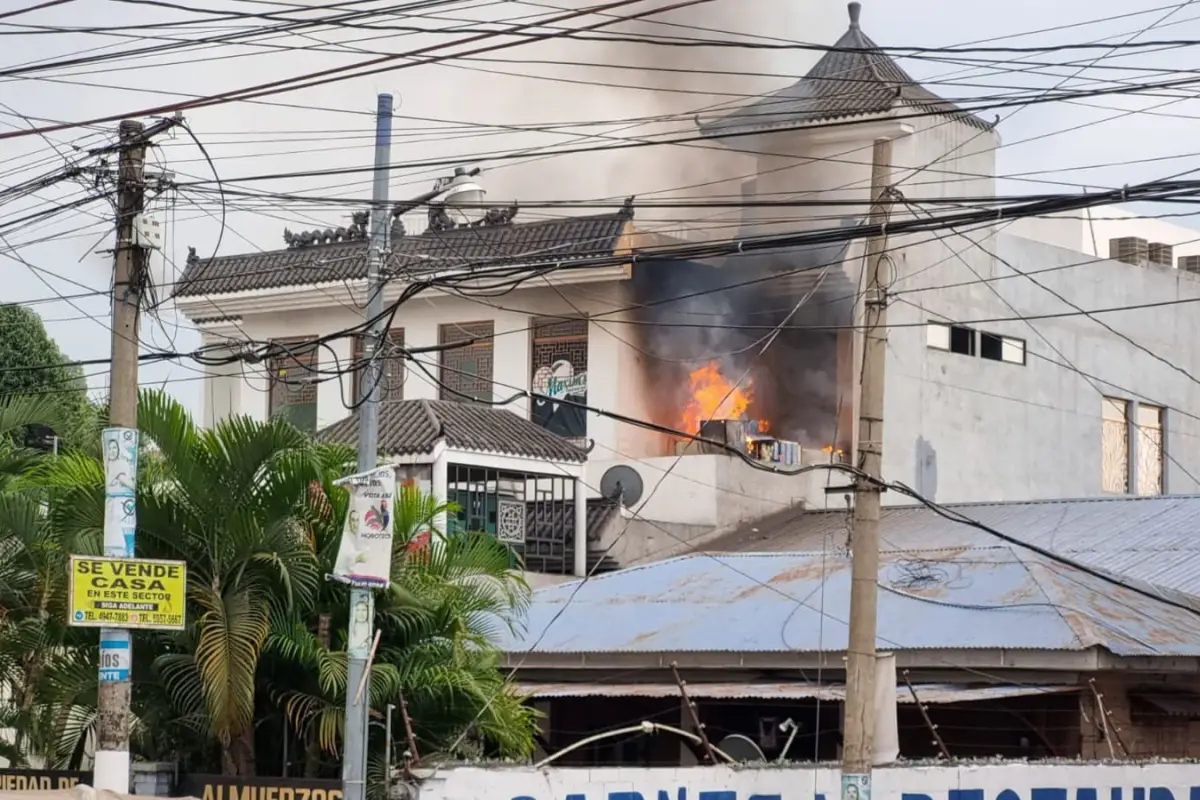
{"x":714,"y":397}
{"x":717,"y":410}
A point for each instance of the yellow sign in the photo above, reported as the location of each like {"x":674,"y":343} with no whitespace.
{"x":127,"y":593}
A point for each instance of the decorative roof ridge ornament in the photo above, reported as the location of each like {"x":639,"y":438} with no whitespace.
{"x":441,"y":221}
{"x":356,"y":231}
{"x":498,"y":216}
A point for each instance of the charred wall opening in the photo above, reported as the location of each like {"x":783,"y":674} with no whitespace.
{"x":722,"y":311}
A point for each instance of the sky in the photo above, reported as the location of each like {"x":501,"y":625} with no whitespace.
{"x":536,"y":95}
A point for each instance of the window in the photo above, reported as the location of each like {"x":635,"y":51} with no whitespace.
{"x":1114,"y":445}
{"x":466,"y":370}
{"x":995,"y":347}
{"x":391,"y":363}
{"x":1149,"y":444}
{"x":969,"y":342}
{"x":292,"y":376}
{"x":1135,"y":460}
{"x":559,"y":369}
{"x":955,"y":338}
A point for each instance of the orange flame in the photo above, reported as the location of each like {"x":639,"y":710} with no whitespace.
{"x":714,"y":397}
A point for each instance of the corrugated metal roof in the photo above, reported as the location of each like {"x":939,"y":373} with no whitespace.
{"x":528,"y":243}
{"x":932,"y":694}
{"x":408,"y":427}
{"x":942,"y":693}
{"x":717,"y":691}
{"x":1149,"y":539}
{"x":854,"y":78}
{"x":962,"y":598}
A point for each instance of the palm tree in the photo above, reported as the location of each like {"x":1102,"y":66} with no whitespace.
{"x":437,"y":620}
{"x":231,"y":502}
{"x":250,"y":506}
{"x":43,"y":519}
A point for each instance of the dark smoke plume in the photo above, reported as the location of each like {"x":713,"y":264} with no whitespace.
{"x":796,"y":384}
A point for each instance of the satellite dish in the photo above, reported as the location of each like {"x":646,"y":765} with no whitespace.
{"x":623,"y":482}
{"x":741,"y":748}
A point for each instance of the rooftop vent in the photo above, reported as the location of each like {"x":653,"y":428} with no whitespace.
{"x":1129,"y":249}
{"x":1161,"y":254}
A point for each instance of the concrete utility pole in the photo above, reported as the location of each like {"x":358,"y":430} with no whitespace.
{"x":858,"y":752}
{"x":112,"y":724}
{"x":354,"y":765}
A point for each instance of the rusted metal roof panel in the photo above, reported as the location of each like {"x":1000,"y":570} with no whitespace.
{"x":1151,"y":539}
{"x":955,"y":598}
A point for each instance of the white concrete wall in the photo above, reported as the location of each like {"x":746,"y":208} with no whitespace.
{"x":959,"y":428}
{"x":1013,"y":781}
{"x":613,"y":363}
{"x":1090,"y":231}
{"x":708,"y":490}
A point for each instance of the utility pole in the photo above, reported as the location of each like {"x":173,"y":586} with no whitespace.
{"x":112,"y":769}
{"x":858,"y":752}
{"x":354,"y":764}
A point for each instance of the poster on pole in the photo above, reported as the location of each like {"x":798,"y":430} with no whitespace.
{"x":365,"y":554}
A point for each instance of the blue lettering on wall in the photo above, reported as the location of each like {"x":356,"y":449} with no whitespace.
{"x":1037,"y":793}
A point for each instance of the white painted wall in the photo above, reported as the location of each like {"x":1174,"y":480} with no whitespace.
{"x":709,"y":490}
{"x":959,"y":428}
{"x":1012,"y":781}
{"x":235,"y":390}
{"x":1091,"y":230}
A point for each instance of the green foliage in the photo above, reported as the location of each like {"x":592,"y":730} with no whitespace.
{"x":25,"y":343}
{"x":251,"y":507}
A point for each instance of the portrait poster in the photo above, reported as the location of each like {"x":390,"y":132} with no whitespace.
{"x":365,"y":554}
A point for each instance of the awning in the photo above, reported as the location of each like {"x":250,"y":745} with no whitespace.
{"x":732,"y":691}
{"x":933,"y":694}
{"x":1172,"y":704}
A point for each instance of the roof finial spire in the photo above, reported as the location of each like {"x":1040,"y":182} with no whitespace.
{"x":855,"y":9}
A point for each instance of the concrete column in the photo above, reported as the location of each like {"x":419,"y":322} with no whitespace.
{"x":580,"y":566}
{"x":332,"y":395}
{"x":1133,"y":436}
{"x":439,"y":483}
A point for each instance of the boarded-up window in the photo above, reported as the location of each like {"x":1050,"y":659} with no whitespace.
{"x":1149,"y":450}
{"x":467,"y":369}
{"x":560,"y":372}
{"x":1114,"y":445}
{"x":292,"y":373}
{"x":391,"y":367}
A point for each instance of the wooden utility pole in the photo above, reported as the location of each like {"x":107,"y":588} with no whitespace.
{"x":129,"y":275}
{"x":859,"y":739}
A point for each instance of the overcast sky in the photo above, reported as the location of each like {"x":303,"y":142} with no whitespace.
{"x":464,"y":108}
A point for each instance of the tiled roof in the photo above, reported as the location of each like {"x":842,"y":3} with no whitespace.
{"x":854,"y":78}
{"x":525,"y":243}
{"x":993,"y":598}
{"x":409,"y":427}
{"x":1148,"y":539}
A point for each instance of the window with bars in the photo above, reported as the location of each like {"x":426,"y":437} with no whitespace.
{"x":1114,"y":444}
{"x":293,"y":382}
{"x":391,"y":367}
{"x":559,"y":354}
{"x":467,"y":370}
{"x":1149,"y":426}
{"x":1132,"y":463}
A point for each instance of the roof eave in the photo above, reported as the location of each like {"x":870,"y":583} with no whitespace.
{"x":850,"y":127}
{"x":1089,"y":660}
{"x":303,"y":297}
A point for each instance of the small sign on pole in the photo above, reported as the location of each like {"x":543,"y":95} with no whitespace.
{"x":137,"y":593}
